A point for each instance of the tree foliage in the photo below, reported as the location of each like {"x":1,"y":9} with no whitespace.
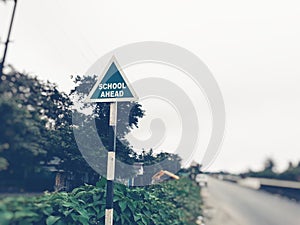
{"x":128,"y":115}
{"x":37,"y":128}
{"x":38,"y":131}
{"x":27,"y":109}
{"x":291,"y":173}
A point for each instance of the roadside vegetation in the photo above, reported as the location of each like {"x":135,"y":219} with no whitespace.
{"x":172,"y":202}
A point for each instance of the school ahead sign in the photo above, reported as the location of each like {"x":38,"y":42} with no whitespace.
{"x":112,"y":86}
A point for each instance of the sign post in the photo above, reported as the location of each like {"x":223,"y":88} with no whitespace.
{"x":112,"y":87}
{"x":111,"y":163}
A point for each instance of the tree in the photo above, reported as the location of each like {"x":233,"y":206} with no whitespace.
{"x":128,"y":116}
{"x":267,"y":172}
{"x":38,"y":131}
{"x":291,"y":173}
{"x":23,"y":137}
{"x":269,"y":164}
{"x":36,"y":120}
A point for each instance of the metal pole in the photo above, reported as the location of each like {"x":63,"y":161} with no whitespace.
{"x":111,"y":164}
{"x":8,"y":38}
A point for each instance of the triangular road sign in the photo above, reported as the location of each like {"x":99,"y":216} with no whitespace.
{"x":112,"y":86}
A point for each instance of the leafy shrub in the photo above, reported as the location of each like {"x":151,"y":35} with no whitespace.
{"x":173,"y":202}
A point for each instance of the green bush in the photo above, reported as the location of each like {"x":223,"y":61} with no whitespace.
{"x":172,"y":202}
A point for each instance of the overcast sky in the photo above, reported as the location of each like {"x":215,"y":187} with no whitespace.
{"x":251,"y":47}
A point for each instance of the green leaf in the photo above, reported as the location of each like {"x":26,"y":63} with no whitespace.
{"x":101,"y":183}
{"x":5,"y":218}
{"x":123,"y":205}
{"x":52,"y":220}
{"x":144,"y":221}
{"x":21,"y":214}
{"x":67,"y":212}
{"x":136,"y":218}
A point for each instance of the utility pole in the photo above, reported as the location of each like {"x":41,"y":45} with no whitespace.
{"x":8,"y":38}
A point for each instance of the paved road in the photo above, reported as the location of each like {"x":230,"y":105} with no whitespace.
{"x":230,"y":204}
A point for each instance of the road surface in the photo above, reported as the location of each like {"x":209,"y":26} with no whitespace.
{"x":230,"y":204}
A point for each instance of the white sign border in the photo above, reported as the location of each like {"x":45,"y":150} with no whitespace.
{"x":112,"y":60}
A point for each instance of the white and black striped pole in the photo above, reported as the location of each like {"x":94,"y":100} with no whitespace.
{"x":111,"y":164}
{"x":112,"y":86}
